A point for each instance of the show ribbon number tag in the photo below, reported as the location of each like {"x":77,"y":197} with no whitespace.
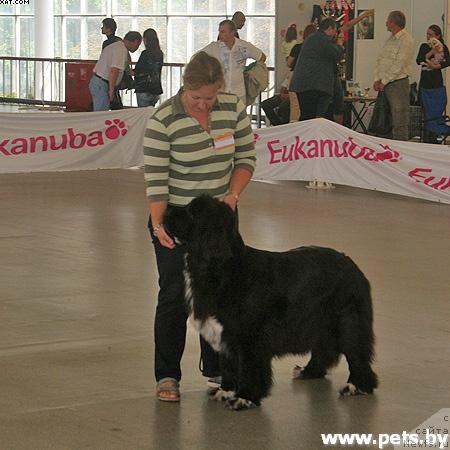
{"x":223,"y":141}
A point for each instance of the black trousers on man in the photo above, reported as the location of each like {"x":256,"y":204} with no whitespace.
{"x":313,"y":104}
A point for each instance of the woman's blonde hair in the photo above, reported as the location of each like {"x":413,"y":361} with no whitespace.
{"x":202,"y":70}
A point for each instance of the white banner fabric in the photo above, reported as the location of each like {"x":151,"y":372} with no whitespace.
{"x":325,"y":151}
{"x":312,"y":150}
{"x":31,"y":142}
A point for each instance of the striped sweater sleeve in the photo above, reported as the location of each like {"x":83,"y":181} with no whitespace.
{"x":156,"y":160}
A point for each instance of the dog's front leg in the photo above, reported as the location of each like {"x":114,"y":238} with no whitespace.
{"x":254,"y":379}
{"x":227,"y":389}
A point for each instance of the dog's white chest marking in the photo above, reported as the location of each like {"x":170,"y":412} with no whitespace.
{"x":211,"y":330}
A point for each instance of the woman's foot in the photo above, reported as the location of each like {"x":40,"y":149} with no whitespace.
{"x":168,"y":390}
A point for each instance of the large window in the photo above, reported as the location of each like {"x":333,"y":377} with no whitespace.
{"x":183,"y":26}
{"x":16,"y":30}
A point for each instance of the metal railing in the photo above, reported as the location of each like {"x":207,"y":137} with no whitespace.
{"x":41,"y":81}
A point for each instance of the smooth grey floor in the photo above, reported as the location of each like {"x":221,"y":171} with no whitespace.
{"x":77,"y":298}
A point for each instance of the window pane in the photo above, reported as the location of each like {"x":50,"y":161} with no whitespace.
{"x":73,"y":7}
{"x":26,"y":36}
{"x":58,"y":46}
{"x":26,"y":79}
{"x":152,"y":6}
{"x":7,"y":9}
{"x":26,"y":9}
{"x":238,"y":5}
{"x":96,"y":6}
{"x":264,"y":6}
{"x":159,"y":24}
{"x":123,"y":25}
{"x":73,"y":38}
{"x":262,"y":35}
{"x":209,"y":7}
{"x":204,"y":30}
{"x":177,"y":6}
{"x":177,"y":39}
{"x":57,"y":7}
{"x":94,"y":37}
{"x":8,"y":36}
{"x":122,"y":6}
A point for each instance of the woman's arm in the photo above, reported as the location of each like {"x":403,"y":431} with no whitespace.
{"x":353,"y":22}
{"x":238,"y":182}
{"x":157,"y":210}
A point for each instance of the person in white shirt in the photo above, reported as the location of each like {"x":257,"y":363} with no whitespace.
{"x":392,"y":71}
{"x":109,"y":69}
{"x":233,"y":53}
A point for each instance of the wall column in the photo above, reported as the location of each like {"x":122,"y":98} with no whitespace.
{"x":43,"y":47}
{"x":44,"y":38}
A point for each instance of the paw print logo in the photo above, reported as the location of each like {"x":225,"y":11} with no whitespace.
{"x":388,"y":154}
{"x":116,"y":128}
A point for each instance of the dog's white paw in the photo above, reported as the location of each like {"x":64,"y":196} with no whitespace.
{"x":221,"y":396}
{"x":351,"y":389}
{"x":237,"y":404}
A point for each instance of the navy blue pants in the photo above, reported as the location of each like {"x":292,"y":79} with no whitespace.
{"x":171,"y":316}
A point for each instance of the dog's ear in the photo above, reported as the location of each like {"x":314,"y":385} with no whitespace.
{"x":214,"y":230}
{"x":178,"y":224}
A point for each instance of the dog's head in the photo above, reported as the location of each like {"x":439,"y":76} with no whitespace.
{"x":206,"y":225}
{"x":435,"y":43}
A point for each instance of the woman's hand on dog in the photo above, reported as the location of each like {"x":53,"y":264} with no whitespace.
{"x":164,"y":239}
{"x":231,"y":201}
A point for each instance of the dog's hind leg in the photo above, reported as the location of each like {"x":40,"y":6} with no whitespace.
{"x":356,"y":341}
{"x":321,"y":360}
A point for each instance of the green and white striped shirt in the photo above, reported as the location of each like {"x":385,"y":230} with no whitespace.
{"x":180,"y":159}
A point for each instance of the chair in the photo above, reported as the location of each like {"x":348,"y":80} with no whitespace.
{"x":435,"y":121}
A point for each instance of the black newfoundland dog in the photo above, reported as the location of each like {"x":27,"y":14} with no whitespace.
{"x":252,"y":305}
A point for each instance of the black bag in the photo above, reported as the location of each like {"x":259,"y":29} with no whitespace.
{"x":126,"y":82}
{"x":116,"y":102}
{"x":150,"y":83}
{"x":381,"y":121}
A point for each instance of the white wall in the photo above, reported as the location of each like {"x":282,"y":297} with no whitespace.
{"x":419,"y":13}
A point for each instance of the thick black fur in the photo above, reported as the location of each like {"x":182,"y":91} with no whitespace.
{"x":269,"y":304}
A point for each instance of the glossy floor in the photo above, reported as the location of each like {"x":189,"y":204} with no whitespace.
{"x":77,"y":298}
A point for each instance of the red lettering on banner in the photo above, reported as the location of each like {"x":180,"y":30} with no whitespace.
{"x":299,"y":148}
{"x":35,"y":140}
{"x":273,"y":151}
{"x":95,"y":138}
{"x":21,"y":148}
{"x":327,"y":148}
{"x":71,"y":139}
{"x":3,"y":149}
{"x":421,"y":175}
{"x":61,"y":146}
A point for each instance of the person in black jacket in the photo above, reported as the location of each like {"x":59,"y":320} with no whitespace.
{"x":314,"y":74}
{"x":148,"y":71}
{"x":431,"y":75}
{"x":432,"y":61}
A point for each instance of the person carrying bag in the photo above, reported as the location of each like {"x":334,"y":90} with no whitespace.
{"x":147,"y":78}
{"x":381,"y":122}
